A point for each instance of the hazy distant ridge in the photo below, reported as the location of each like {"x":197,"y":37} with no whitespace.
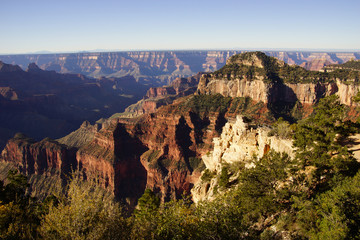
{"x":162,"y":66}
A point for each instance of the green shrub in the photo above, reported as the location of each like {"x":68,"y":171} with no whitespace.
{"x":224,"y":177}
{"x":282,"y":129}
{"x":196,"y":164}
{"x":207,"y":175}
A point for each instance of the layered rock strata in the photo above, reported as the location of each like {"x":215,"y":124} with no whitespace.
{"x":162,"y":65}
{"x":32,"y":157}
{"x":269,"y":80}
{"x":259,"y":90}
{"x":159,"y":96}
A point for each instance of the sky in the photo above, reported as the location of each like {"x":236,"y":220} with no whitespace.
{"x":118,"y":25}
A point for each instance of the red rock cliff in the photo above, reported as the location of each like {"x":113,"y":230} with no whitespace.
{"x":36,"y":157}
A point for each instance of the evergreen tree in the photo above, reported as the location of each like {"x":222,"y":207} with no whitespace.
{"x":321,"y":151}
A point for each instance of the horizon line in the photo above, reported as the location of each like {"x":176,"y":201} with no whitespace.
{"x":45,"y":52}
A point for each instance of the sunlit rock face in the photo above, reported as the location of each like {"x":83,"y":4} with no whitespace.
{"x":267,"y":79}
{"x":239,"y":142}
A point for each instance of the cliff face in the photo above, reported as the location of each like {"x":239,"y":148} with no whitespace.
{"x":346,"y":92}
{"x":113,"y":157}
{"x":238,"y":142}
{"x":32,"y":157}
{"x":269,"y":80}
{"x":175,"y":144}
{"x":258,"y":90}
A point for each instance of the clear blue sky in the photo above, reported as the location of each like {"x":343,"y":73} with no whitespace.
{"x":79,"y":25}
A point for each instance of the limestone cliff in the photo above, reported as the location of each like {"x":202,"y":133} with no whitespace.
{"x":268,"y":80}
{"x":239,"y":142}
{"x":257,"y":89}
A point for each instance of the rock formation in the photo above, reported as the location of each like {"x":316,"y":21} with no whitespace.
{"x":159,"y":96}
{"x":81,"y":136}
{"x":273,"y":87}
{"x":8,"y":93}
{"x":239,"y":142}
{"x":33,"y":157}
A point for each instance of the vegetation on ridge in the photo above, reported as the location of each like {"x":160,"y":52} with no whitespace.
{"x":352,"y":64}
{"x":257,"y":65}
{"x":205,"y":104}
{"x":312,"y":196}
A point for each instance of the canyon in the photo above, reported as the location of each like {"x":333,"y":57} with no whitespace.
{"x":43,"y":103}
{"x":167,"y":148}
{"x":159,"y":96}
{"x":163,"y":66}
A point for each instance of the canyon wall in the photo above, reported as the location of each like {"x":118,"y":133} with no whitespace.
{"x":159,"y":96}
{"x":32,"y":157}
{"x":108,"y":154}
{"x":163,"y":66}
{"x":268,"y":92}
{"x":48,"y":104}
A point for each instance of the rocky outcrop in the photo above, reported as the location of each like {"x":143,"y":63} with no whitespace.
{"x":239,"y":142}
{"x":81,"y":136}
{"x":8,"y":93}
{"x":266,"y":79}
{"x":113,"y":157}
{"x":32,"y":157}
{"x":258,"y":90}
{"x":160,"y":92}
{"x":180,"y":87}
{"x":6,"y":68}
